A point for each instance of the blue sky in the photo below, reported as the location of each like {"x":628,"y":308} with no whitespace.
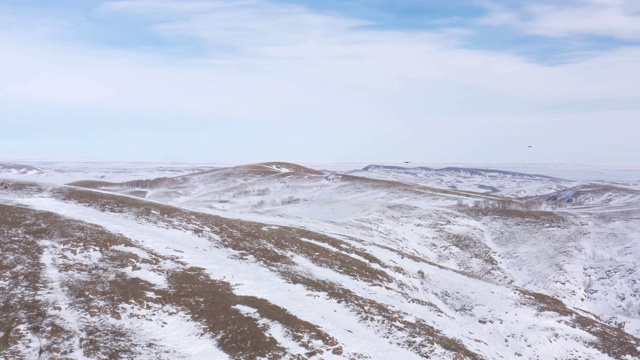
{"x":353,"y":80}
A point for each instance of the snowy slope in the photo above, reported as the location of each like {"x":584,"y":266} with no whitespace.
{"x":505,"y":183}
{"x":276,"y":260}
{"x":595,"y":195}
{"x":66,"y":172}
{"x":430,"y":223}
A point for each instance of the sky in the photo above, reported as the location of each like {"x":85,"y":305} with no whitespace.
{"x":352,"y":80}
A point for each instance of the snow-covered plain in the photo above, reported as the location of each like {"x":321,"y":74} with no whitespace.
{"x":277,"y":260}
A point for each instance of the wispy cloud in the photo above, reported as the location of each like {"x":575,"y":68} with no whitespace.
{"x":286,"y":52}
{"x":287,"y":69}
{"x":238,"y":24}
{"x":619,"y":19}
{"x":174,"y":7}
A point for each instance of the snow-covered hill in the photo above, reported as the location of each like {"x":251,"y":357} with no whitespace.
{"x":65,"y":172}
{"x":595,"y":195}
{"x":505,"y":183}
{"x":277,"y":260}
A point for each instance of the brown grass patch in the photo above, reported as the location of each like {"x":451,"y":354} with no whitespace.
{"x":99,"y":289}
{"x":270,"y":246}
{"x":23,"y":312}
{"x":211,"y":302}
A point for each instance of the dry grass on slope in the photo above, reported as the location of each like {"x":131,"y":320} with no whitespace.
{"x":280,"y":169}
{"x":274,"y":167}
{"x":22,"y":312}
{"x":213,"y":303}
{"x":29,"y":313}
{"x":101,"y":294}
{"x":273,"y":246}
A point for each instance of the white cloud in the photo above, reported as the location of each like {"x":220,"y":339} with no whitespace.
{"x":293,"y":68}
{"x":238,"y":24}
{"x":174,"y":7}
{"x":619,"y":19}
{"x":329,"y":65}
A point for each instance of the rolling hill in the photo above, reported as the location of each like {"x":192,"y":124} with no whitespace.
{"x":278,"y":260}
